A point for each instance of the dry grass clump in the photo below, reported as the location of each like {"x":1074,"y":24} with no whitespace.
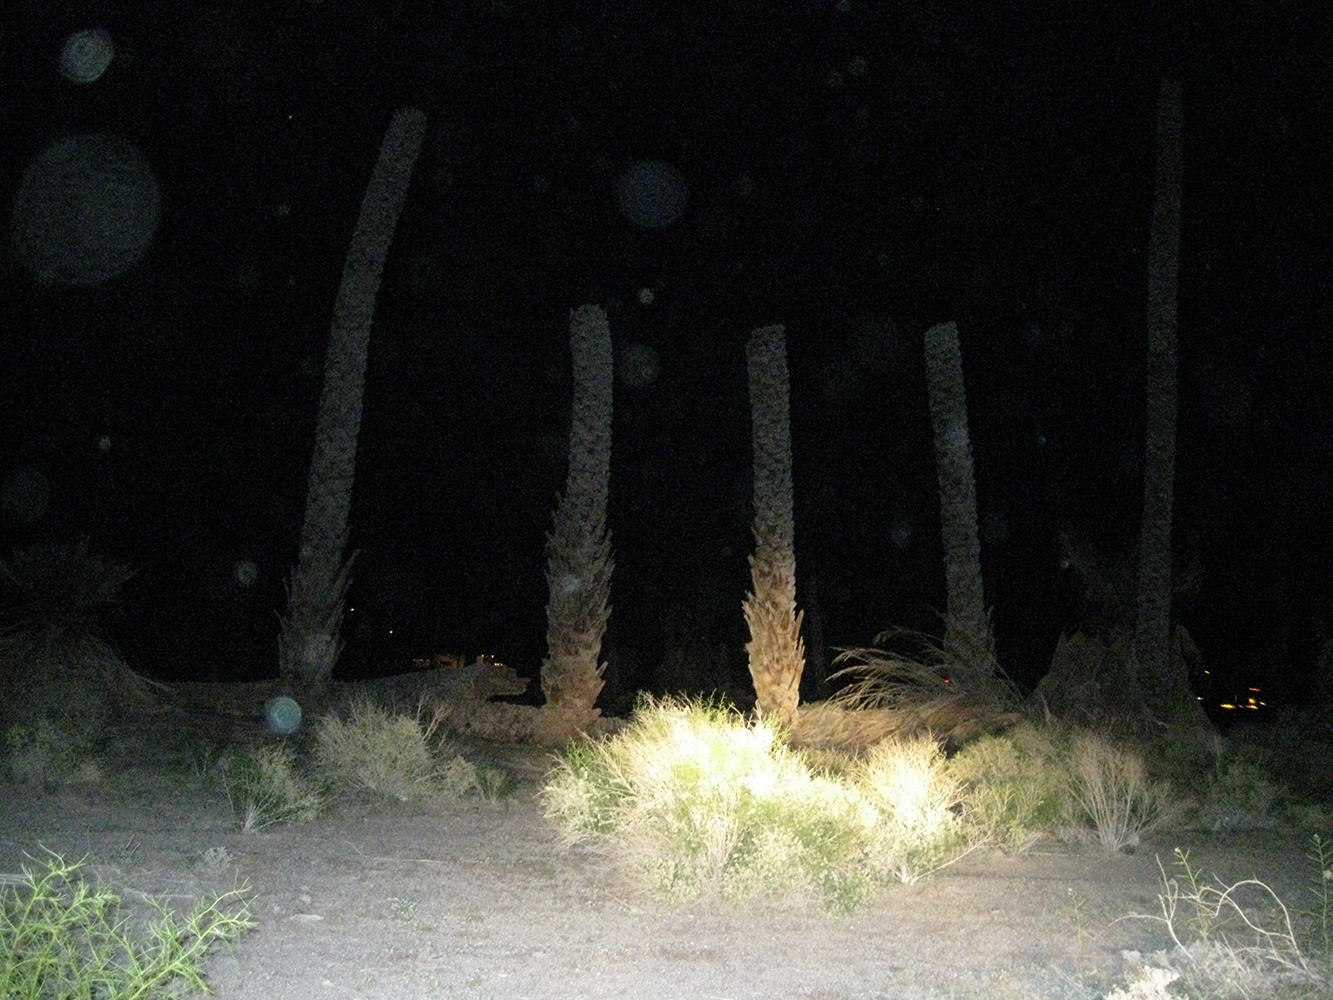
{"x":917,"y":830}
{"x":46,"y":752}
{"x":952,"y":694}
{"x":1110,"y":791}
{"x":375,"y":750}
{"x":491,"y":720}
{"x":1014,"y":787}
{"x":692,"y":798}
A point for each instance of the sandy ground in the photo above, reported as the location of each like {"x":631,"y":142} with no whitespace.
{"x":384,"y":900}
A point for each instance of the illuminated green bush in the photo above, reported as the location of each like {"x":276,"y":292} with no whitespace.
{"x":692,"y":799}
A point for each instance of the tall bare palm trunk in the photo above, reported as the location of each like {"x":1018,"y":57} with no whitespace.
{"x":308,"y":640}
{"x":967,"y":635}
{"x":579,"y":562}
{"x":1161,"y":682}
{"x":776,"y":653}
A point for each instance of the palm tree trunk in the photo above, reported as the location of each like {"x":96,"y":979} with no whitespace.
{"x":967,"y":635}
{"x":1161,"y":684}
{"x":776,"y":652}
{"x":308,"y":640}
{"x":579,"y":562}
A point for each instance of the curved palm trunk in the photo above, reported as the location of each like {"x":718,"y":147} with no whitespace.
{"x":967,"y":635}
{"x":776,"y":653}
{"x":578,"y":548}
{"x":308,"y":640}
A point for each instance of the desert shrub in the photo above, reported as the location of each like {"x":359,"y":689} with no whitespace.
{"x":1241,"y":794}
{"x":61,"y":937}
{"x":44,"y":752}
{"x":1110,"y":792}
{"x":264,"y":788}
{"x":916,"y":831}
{"x":693,"y":799}
{"x":1012,"y":787}
{"x":376,"y":750}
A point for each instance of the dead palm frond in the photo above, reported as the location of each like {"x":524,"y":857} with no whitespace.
{"x":888,"y":693}
{"x":883,"y":678}
{"x":53,"y":656}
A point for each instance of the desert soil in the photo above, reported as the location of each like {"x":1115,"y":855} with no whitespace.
{"x":385,"y":900}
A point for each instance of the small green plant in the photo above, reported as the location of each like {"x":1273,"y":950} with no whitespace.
{"x":1078,"y":911}
{"x":264,"y":788}
{"x":1109,"y":789}
{"x":60,"y":937}
{"x":1318,"y":919}
{"x":215,"y":862}
{"x":494,"y":783}
{"x":379,"y":751}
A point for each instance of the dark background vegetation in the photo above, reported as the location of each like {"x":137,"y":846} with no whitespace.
{"x":859,"y":170}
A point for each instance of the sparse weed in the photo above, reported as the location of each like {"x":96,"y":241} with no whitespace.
{"x":379,"y":751}
{"x":60,"y":937}
{"x":264,"y":788}
{"x":215,"y":862}
{"x":1241,"y":939}
{"x":203,"y":758}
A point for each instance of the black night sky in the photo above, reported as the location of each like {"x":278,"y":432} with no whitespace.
{"x":858,"y":170}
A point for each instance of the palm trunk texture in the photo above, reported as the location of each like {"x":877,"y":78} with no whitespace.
{"x":967,"y":636}
{"x":578,"y":549}
{"x":776,"y":652}
{"x":309,"y":638}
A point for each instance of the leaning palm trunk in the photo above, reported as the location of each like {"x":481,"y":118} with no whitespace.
{"x":967,"y":635}
{"x":1161,"y":682}
{"x":308,"y":640}
{"x":578,"y":548}
{"x":776,"y":653}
